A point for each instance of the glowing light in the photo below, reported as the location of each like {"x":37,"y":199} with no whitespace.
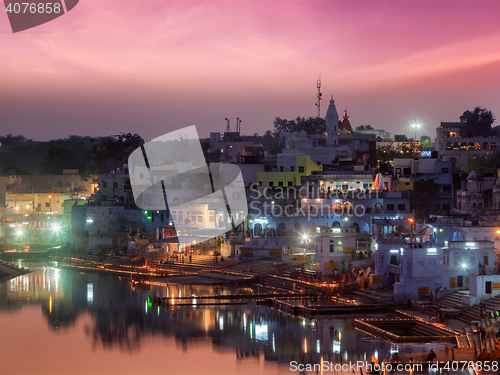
{"x":56,"y":228}
{"x":470,"y":244}
{"x":50,"y":304}
{"x":261,"y":332}
{"x":431,"y":250}
{"x":464,"y":265}
{"x":90,"y":220}
{"x":19,"y":232}
{"x":336,"y":347}
{"x":305,"y":237}
{"x":90,"y":293}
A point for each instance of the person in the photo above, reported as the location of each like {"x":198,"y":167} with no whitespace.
{"x":189,"y":258}
{"x":482,"y":334}
{"x":480,"y":268}
{"x":431,"y":356}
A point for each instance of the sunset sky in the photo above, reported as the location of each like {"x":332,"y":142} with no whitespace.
{"x":153,"y":66}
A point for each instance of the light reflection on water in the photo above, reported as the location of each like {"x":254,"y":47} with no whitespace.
{"x":65,"y":321}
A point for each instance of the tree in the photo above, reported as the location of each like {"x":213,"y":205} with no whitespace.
{"x":364,"y":127}
{"x":387,"y":154}
{"x":426,"y":194}
{"x":212,"y":155}
{"x":479,"y":122}
{"x":112,"y":152}
{"x":13,"y":140}
{"x":488,"y":163}
{"x":400,"y":138}
{"x":426,"y":145}
{"x":15,"y":168}
{"x":311,"y":125}
{"x":58,"y":158}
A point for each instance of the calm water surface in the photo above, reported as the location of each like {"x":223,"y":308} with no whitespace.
{"x":59,"y":322}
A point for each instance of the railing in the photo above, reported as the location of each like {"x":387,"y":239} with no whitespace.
{"x":394,"y":269}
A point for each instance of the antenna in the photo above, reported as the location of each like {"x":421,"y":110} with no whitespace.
{"x":228,"y":128}
{"x":318,"y":104}
{"x":238,"y":126}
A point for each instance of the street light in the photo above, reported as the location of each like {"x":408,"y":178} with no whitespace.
{"x":305,"y":239}
{"x":415,"y":126}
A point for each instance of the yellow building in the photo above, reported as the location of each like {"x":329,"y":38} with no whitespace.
{"x":303,"y":167}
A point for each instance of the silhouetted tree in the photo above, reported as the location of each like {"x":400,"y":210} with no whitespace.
{"x":112,"y":152}
{"x":364,"y":127}
{"x":488,"y":163}
{"x":479,"y":122}
{"x":311,"y":125}
{"x":426,"y":194}
{"x":400,"y":138}
{"x":58,"y":158}
{"x":13,"y":167}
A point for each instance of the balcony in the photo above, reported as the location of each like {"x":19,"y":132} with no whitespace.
{"x":394,"y":269}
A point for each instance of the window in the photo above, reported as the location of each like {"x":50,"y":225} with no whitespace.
{"x":47,"y":204}
{"x":401,"y":207}
{"x":141,"y":175}
{"x":115,"y":185}
{"x":331,"y":248}
{"x":485,"y":260}
{"x":407,"y":183}
{"x":271,"y":183}
{"x":39,"y":205}
{"x":281,"y":169}
{"x":446,"y":206}
{"x":301,"y":169}
{"x":280,"y":183}
{"x":176,"y":200}
{"x":211,"y":217}
{"x":292,"y":169}
{"x":390,"y":207}
{"x":290,"y":183}
{"x":104,"y":184}
{"x":444,"y":170}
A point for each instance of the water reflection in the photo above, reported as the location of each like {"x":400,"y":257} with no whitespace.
{"x":123,"y":316}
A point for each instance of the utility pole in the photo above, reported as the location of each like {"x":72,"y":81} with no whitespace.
{"x":319,"y":96}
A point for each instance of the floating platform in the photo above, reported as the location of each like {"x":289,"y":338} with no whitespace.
{"x":405,"y":330}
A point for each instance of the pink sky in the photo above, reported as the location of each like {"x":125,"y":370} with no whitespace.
{"x":154,"y":66}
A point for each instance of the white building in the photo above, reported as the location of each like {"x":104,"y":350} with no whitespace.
{"x":333,"y":249}
{"x":461,"y":259}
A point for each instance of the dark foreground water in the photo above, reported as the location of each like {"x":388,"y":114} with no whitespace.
{"x":60,"y":322}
